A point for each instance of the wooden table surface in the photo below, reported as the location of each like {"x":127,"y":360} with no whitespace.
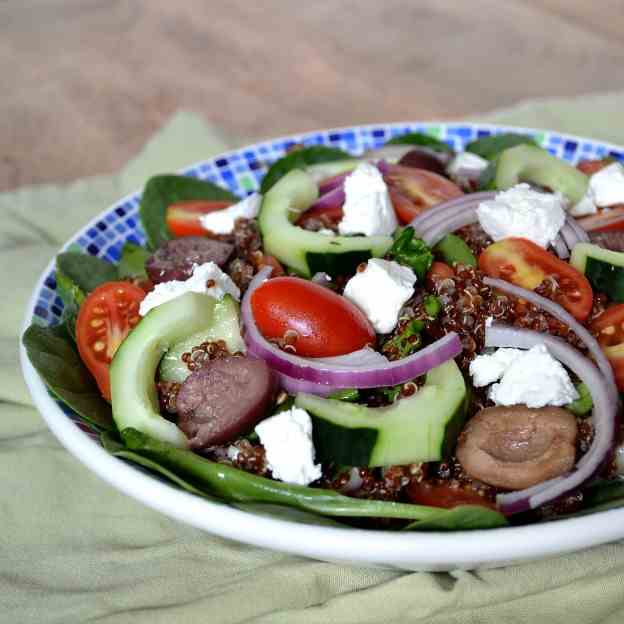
{"x":86,"y":82}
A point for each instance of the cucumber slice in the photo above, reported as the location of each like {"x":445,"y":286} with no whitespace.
{"x":133,"y":369}
{"x":528,"y":163}
{"x":454,"y":250}
{"x":603,"y":268}
{"x":324,"y":170}
{"x":309,"y":252}
{"x":420,"y":428}
{"x":225,"y":326}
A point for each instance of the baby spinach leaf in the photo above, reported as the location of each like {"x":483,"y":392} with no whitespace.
{"x":72,"y":297}
{"x":54,"y":356}
{"x":300,"y":159}
{"x":419,"y":138}
{"x":491,"y":146}
{"x":461,"y":518}
{"x":132,"y":261}
{"x":163,"y":190}
{"x":85,"y":272}
{"x":235,"y":485}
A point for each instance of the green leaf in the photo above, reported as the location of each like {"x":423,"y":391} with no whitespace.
{"x":237,"y":486}
{"x":601,"y":495}
{"x":72,"y":297}
{"x":491,"y":146}
{"x":487,"y":179}
{"x":54,"y":356}
{"x":461,"y":518}
{"x":163,"y":190}
{"x":132,"y":261}
{"x":300,"y":159}
{"x":412,"y":252}
{"x":606,"y":277}
{"x":419,"y":138}
{"x":84,"y":271}
{"x":347,"y":394}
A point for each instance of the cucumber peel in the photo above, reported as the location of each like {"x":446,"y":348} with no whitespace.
{"x":133,"y":369}
{"x":309,"y":252}
{"x":420,"y":428}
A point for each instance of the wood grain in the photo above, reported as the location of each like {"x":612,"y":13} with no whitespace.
{"x":85,"y":83}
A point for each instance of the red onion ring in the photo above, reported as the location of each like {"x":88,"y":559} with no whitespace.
{"x":555,"y":310}
{"x":604,"y":417}
{"x":332,"y":198}
{"x":343,"y":372}
{"x":440,"y":212}
{"x":329,"y":184}
{"x":434,"y":224}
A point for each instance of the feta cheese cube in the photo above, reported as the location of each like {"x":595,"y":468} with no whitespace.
{"x":287,"y":441}
{"x":221,"y":284}
{"x":523,"y":212}
{"x":605,"y":188}
{"x":367,"y":208}
{"x":534,"y":379}
{"x":488,"y":368}
{"x":380,"y":291}
{"x":466,"y":166}
{"x":222,"y":221}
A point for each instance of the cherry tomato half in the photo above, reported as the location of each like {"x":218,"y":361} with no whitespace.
{"x":105,"y":318}
{"x":439,"y":270}
{"x":526,"y":264}
{"x":414,"y":190}
{"x":589,"y":167}
{"x":445,"y":496}
{"x":313,"y":320}
{"x":609,"y":331}
{"x":183,"y":216}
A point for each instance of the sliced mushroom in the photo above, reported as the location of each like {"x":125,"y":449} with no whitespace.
{"x":516,"y":447}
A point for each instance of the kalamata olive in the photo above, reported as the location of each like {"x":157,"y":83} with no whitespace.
{"x":223,"y":399}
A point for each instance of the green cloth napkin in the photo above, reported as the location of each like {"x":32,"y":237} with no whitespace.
{"x":73,"y":549}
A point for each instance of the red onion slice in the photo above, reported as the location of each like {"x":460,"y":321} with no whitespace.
{"x":295,"y":386}
{"x":441,"y":212}
{"x":458,"y":213}
{"x":335,"y":197}
{"x":604,"y":416}
{"x":554,"y":309}
{"x":329,"y":184}
{"x":342,"y":372}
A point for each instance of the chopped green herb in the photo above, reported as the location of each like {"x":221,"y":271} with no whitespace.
{"x":412,"y":252}
{"x":348,"y":394}
{"x":584,"y":403}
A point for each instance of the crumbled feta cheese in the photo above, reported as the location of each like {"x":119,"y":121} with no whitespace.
{"x":605,"y":188}
{"x":232,"y":452}
{"x":287,"y":441}
{"x":523,"y":212}
{"x":380,"y":291}
{"x":466,"y":166}
{"x":198,"y":283}
{"x":488,"y":368}
{"x":327,"y":232}
{"x":222,"y":221}
{"x":367,"y":208}
{"x":534,"y":379}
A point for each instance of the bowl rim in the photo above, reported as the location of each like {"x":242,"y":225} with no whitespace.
{"x":408,"y":550}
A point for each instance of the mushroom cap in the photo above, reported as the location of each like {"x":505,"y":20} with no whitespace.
{"x":516,"y":447}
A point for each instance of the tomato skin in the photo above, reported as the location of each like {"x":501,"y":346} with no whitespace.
{"x":105,"y":318}
{"x":183,"y":217}
{"x":609,"y":331}
{"x":606,"y":220}
{"x":522,"y":262}
{"x":444,"y":496}
{"x":440,"y":270}
{"x":414,"y":190}
{"x":325,"y":323}
{"x":591,"y":166}
{"x":273,"y":262}
{"x":328,"y":215}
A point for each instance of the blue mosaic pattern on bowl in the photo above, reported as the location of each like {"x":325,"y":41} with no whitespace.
{"x":241,"y":171}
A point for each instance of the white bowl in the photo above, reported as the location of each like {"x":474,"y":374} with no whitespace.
{"x":240,"y":171}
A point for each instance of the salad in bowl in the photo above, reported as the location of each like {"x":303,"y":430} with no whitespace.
{"x":413,"y":338}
